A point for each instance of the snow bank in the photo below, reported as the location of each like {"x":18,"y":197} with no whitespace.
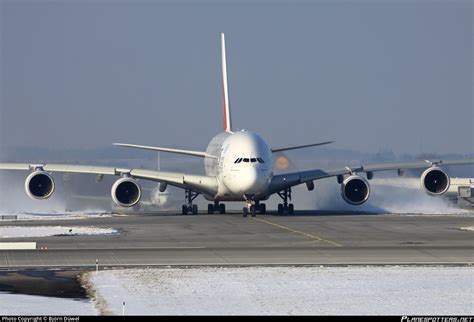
{"x":286,"y":290}
{"x":43,"y":231}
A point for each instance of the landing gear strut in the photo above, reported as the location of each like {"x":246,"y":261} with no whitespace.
{"x":285,"y":207}
{"x":189,"y":196}
{"x":216,"y":207}
{"x":253,"y":207}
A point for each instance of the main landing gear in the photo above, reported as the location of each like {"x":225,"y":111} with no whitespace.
{"x":216,"y":207}
{"x":189,"y":196}
{"x":285,"y":207}
{"x":253,"y":208}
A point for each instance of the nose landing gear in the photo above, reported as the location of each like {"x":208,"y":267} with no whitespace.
{"x":253,"y":207}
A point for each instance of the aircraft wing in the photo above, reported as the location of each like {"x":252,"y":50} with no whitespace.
{"x":287,"y":180}
{"x":197,"y":183}
{"x":300,"y":146}
{"x":160,"y":149}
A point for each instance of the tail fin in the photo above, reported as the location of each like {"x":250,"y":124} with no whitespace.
{"x":225,"y":92}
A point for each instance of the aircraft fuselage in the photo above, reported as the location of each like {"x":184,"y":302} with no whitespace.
{"x":242,"y":163}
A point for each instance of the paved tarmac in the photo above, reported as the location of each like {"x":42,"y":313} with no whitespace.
{"x":305,"y":238}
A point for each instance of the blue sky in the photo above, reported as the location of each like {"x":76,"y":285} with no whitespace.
{"x":367,"y":74}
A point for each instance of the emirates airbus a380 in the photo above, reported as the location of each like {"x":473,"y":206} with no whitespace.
{"x":239,"y":167}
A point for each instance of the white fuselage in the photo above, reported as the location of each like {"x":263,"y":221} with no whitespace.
{"x":243,"y":165}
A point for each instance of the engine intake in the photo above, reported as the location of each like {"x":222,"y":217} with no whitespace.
{"x":435,"y":181}
{"x":39,"y":185}
{"x":126,"y":192}
{"x":355,"y":190}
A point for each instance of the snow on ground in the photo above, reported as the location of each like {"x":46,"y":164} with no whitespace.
{"x":43,"y":231}
{"x":467,"y":228}
{"x":285,"y":290}
{"x":18,"y":304}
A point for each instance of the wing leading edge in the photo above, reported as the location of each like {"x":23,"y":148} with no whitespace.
{"x":288,"y":180}
{"x":202,"y":184}
{"x":155,"y":148}
{"x":294,"y":147}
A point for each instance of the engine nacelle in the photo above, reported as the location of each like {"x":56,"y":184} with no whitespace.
{"x":435,"y":181}
{"x":355,"y":190}
{"x":39,"y":185}
{"x":163,"y":186}
{"x":126,"y":192}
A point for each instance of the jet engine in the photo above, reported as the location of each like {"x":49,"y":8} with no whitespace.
{"x":126,"y":192}
{"x":435,"y":181}
{"x":355,"y":190}
{"x":39,"y":185}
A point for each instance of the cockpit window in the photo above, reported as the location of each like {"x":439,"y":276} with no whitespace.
{"x":252,"y":160}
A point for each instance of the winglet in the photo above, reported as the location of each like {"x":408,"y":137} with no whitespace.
{"x":225,"y":91}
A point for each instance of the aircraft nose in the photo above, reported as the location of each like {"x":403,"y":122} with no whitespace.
{"x":248,"y":180}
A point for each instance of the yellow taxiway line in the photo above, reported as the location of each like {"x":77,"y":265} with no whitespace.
{"x":312,"y":236}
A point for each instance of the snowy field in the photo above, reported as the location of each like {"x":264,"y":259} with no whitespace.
{"x":396,"y":290}
{"x":285,"y":290}
{"x":17,"y":304}
{"x":43,"y":231}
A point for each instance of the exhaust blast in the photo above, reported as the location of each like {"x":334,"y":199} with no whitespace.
{"x":387,"y":195}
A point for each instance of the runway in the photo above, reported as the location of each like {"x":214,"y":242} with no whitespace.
{"x":306,"y":238}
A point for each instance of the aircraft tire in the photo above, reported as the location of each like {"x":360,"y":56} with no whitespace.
{"x":291,"y":209}
{"x":222,"y":208}
{"x":253,"y":211}
{"x":280,"y":209}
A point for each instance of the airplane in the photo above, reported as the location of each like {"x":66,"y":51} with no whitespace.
{"x":239,"y":168}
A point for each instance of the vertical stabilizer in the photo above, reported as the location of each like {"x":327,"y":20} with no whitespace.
{"x":225,"y":92}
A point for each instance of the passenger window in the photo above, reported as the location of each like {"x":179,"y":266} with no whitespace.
{"x":246,"y":160}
